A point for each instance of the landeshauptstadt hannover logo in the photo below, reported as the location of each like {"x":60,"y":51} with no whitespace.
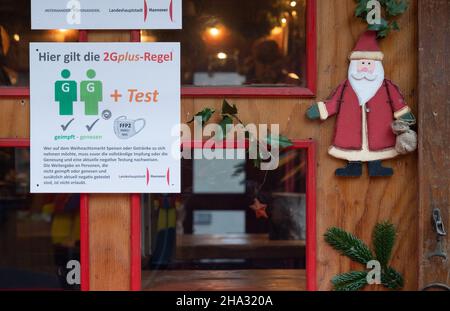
{"x":75,"y":9}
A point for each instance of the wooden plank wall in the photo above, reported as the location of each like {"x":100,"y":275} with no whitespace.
{"x":434,"y":144}
{"x":353,"y":204}
{"x":109,"y":221}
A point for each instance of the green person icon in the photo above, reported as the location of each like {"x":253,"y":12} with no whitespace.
{"x":65,"y":94}
{"x":91,"y":93}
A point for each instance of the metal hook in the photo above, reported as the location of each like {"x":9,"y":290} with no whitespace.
{"x":436,"y":285}
{"x":438,"y":226}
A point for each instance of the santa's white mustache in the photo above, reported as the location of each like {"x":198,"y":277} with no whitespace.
{"x":364,"y":75}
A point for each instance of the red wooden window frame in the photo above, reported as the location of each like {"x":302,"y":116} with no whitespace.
{"x":135,"y":210}
{"x":244,"y":91}
{"x":135,"y":205}
{"x":254,"y":91}
{"x":311,"y":273}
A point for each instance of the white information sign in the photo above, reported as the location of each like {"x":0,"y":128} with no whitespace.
{"x":104,"y":117}
{"x":106,"y":14}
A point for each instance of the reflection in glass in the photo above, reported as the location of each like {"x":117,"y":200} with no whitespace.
{"x":15,"y":36}
{"x":39,"y":233}
{"x":216,"y":232}
{"x":226,"y":176}
{"x":236,"y":43}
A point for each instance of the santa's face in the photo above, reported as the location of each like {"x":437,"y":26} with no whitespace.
{"x":366,"y":77}
{"x":365,"y":69}
{"x":366,"y":66}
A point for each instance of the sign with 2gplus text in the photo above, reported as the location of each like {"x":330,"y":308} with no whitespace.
{"x":106,"y":14}
{"x":105,"y":117}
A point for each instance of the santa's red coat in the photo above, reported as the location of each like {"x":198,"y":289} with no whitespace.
{"x":381,"y":110}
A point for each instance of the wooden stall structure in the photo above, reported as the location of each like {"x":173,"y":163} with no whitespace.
{"x":355,"y":205}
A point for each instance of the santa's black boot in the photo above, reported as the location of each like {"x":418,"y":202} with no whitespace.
{"x":353,"y":169}
{"x":377,"y":170}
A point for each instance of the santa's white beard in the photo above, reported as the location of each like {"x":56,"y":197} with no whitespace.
{"x":365,"y":85}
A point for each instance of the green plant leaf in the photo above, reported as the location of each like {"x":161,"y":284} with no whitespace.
{"x":395,"y":7}
{"x":283,"y":141}
{"x":383,"y":242}
{"x":229,"y":109}
{"x":226,"y":120}
{"x":257,"y":161}
{"x":361,"y":8}
{"x":392,"y":279}
{"x":379,"y":27}
{"x":391,"y":9}
{"x":350,"y":281}
{"x":383,"y":33}
{"x":348,"y":245}
{"x":394,"y":25}
{"x":206,"y":114}
{"x":239,"y":169}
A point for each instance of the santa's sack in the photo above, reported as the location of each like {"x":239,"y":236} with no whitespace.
{"x":406,"y":138}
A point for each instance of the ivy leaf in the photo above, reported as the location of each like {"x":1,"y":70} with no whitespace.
{"x":361,"y":8}
{"x":394,"y":25}
{"x":383,"y":33}
{"x":239,"y":169}
{"x":229,"y":109}
{"x":395,"y":7}
{"x":350,"y":281}
{"x":382,"y":29}
{"x":391,"y":8}
{"x":257,"y":162}
{"x":205,"y":114}
{"x":226,"y":120}
{"x":379,"y":27}
{"x":282,"y":141}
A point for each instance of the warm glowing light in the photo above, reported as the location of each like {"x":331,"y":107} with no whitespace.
{"x":62,"y":30}
{"x":16,"y":37}
{"x":283,"y":20}
{"x":148,"y":39}
{"x":294,"y":13}
{"x":276,"y":31}
{"x":222,"y":55}
{"x":294,"y":76}
{"x":214,"y":31}
{"x":293,"y":4}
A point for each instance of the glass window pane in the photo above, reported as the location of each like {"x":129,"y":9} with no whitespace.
{"x":39,"y":233}
{"x":15,"y":36}
{"x":240,"y":43}
{"x":228,"y":175}
{"x":215,"y":236}
{"x":218,"y":222}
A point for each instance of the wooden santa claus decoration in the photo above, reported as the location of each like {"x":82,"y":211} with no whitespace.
{"x":366,"y":105}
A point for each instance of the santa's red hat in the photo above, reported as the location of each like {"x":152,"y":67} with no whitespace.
{"x":367,"y":47}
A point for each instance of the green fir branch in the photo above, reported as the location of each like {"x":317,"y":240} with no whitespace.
{"x":350,"y":281}
{"x":383,"y":242}
{"x":348,"y":245}
{"x":392,"y":279}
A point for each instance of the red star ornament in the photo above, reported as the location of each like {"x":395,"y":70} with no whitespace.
{"x":260,"y":209}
